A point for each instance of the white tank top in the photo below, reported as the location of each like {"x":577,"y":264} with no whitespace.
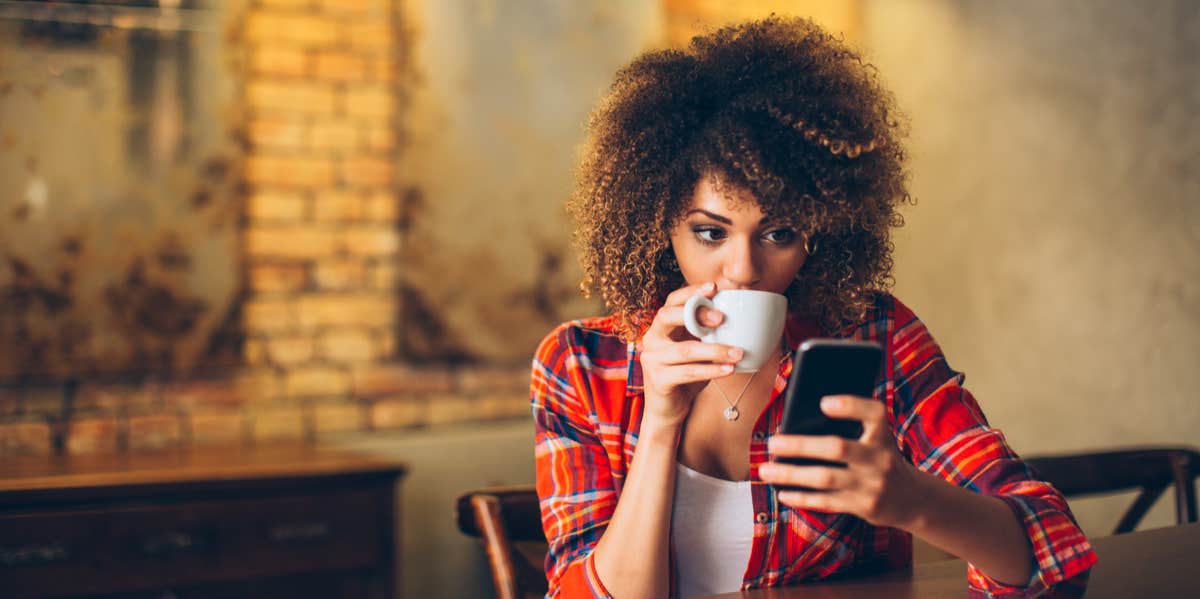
{"x":712,"y":527}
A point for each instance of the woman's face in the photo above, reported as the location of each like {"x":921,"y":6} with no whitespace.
{"x":729,"y":241}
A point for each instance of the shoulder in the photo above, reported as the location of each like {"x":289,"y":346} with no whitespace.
{"x":887,"y":321}
{"x":589,"y":340}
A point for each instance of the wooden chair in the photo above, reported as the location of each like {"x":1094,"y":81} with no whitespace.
{"x":1150,"y":469}
{"x":509,"y":523}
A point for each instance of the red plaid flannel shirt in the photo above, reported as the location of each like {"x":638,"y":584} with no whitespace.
{"x":587,"y":404}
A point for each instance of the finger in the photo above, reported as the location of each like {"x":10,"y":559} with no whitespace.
{"x":815,"y":501}
{"x":683,"y":374}
{"x":680,"y":296}
{"x":871,"y":413}
{"x":822,"y":478}
{"x":669,"y":322}
{"x":687,"y":352}
{"x":831,"y":448}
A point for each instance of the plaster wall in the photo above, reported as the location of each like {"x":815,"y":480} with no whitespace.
{"x":1054,"y":249}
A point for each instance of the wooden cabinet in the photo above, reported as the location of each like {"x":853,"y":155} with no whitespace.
{"x":270,"y":521}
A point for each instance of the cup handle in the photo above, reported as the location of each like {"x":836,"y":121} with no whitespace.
{"x":689,"y":315}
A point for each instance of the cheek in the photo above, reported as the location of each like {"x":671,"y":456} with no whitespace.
{"x":786,"y":269}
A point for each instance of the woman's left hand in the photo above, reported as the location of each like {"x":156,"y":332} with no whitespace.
{"x":877,"y":484}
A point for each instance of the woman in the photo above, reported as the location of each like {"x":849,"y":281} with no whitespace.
{"x":765,"y":156}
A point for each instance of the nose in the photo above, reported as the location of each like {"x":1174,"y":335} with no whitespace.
{"x":741,"y":267}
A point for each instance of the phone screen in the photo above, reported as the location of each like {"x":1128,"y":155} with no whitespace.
{"x":827,"y":367}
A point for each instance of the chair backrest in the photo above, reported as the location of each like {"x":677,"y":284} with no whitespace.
{"x":1150,"y":469}
{"x":509,"y":522}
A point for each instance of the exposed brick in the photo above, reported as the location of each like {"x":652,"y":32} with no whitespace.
{"x":492,"y":380}
{"x":345,"y":309}
{"x":399,"y":413}
{"x":338,"y":417}
{"x":381,"y":138}
{"x":279,"y":60}
{"x":337,"y":206}
{"x":309,"y":30}
{"x":256,"y":385}
{"x":381,"y":69}
{"x":510,"y":405}
{"x":291,"y":171}
{"x":387,"y":343}
{"x":384,"y":276}
{"x":25,"y":438}
{"x":381,"y":380}
{"x":375,"y":101}
{"x":363,"y":171}
{"x":108,"y":398}
{"x":348,"y":346}
{"x":328,"y":134}
{"x":272,"y":424}
{"x":293,"y":4}
{"x":374,"y":36}
{"x":10,"y":402}
{"x":268,"y":315}
{"x":254,"y":352}
{"x":276,"y":132}
{"x":217,"y":427}
{"x":372,"y":241}
{"x":291,"y":350}
{"x":278,"y":277}
{"x":276,"y":206}
{"x":291,"y":242}
{"x":356,"y":7}
{"x":42,"y":401}
{"x":381,"y":207}
{"x":154,"y":431}
{"x":201,"y":394}
{"x":316,"y":381}
{"x":291,"y":97}
{"x":248,"y":385}
{"x":93,"y":435}
{"x":445,"y":409}
{"x":339,"y":66}
{"x":340,"y":275}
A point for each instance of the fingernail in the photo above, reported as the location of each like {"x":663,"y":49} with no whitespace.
{"x":831,"y":403}
{"x":727,"y":368}
{"x":766,"y":470}
{"x":706,"y":287}
{"x":735,"y":353}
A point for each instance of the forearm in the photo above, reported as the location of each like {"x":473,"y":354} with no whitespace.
{"x":977,"y":528}
{"x":631,"y":558}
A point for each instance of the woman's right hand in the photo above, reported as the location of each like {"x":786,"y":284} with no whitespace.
{"x":675,"y":365}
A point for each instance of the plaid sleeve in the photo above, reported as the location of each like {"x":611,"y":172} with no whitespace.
{"x":941,"y":429}
{"x":574,"y":484}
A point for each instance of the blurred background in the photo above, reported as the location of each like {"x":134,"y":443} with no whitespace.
{"x":340,"y":221}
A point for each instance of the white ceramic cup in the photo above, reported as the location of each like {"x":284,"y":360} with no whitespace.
{"x":753,"y":321}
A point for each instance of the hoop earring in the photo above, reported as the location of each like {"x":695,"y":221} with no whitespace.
{"x":810,"y":248}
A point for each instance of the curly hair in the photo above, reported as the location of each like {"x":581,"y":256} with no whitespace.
{"x":778,"y":107}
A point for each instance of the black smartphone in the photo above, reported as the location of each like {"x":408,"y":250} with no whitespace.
{"x":827,"y":367}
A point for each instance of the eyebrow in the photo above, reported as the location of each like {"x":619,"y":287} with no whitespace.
{"x":718,"y":217}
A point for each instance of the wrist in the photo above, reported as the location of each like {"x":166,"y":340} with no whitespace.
{"x":924,"y":500}
{"x":658,"y":430}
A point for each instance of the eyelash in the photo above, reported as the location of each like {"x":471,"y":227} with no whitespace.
{"x":700,"y":231}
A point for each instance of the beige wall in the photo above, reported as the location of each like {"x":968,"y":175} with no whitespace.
{"x":1054,"y":247}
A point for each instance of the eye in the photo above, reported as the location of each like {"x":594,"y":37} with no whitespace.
{"x":780,"y":236}
{"x":708,"y":234}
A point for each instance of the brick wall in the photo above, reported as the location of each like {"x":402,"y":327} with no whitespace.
{"x":321,"y":241}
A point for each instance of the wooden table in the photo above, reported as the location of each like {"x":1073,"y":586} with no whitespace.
{"x":1160,"y":563}
{"x":274,"y":520}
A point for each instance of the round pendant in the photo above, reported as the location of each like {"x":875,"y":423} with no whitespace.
{"x":731,"y":413}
